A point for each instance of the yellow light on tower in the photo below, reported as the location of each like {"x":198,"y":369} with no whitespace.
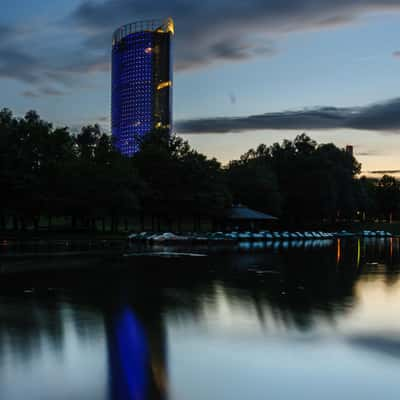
{"x":167,"y":27}
{"x":170,"y":25}
{"x":163,"y":85}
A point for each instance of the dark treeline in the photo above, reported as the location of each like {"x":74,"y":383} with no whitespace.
{"x":53,"y":173}
{"x":302,"y":180}
{"x":50,"y":172}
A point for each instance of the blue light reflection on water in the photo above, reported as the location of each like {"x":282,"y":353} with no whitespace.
{"x":129,"y":357}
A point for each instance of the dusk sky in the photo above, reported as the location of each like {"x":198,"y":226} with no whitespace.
{"x":246,"y":72}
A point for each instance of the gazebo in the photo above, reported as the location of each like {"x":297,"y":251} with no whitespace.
{"x":245,"y":218}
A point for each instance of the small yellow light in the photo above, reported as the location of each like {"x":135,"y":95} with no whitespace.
{"x":170,"y":26}
{"x":167,"y":27}
{"x":163,"y":85}
{"x":159,"y":125}
{"x":148,"y":50}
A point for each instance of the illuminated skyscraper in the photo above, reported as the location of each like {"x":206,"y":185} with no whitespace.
{"x":141,"y":82}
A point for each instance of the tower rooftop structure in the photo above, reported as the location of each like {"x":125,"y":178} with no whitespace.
{"x":151,"y":25}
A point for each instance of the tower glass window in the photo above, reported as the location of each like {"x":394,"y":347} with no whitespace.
{"x":141,"y":82}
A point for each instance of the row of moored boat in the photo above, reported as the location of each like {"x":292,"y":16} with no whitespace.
{"x":251,"y":236}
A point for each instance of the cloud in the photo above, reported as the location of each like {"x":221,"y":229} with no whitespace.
{"x":367,"y":153}
{"x":16,"y":64}
{"x":230,"y":50}
{"x":28,"y":57}
{"x":385,"y":172}
{"x":377,"y":117}
{"x":388,"y":346}
{"x":19,"y":65}
{"x":29,"y":93}
{"x":5,"y":32}
{"x":208,"y":32}
{"x":220,"y":30}
{"x":52,"y":92}
{"x":84,"y":64}
{"x":15,"y":61}
{"x":47,"y":91}
{"x":396,"y":54}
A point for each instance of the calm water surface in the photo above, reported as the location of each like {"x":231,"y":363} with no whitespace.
{"x":254,"y":323}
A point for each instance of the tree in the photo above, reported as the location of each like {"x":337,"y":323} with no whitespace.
{"x":178,"y":180}
{"x":366,"y":197}
{"x":254,"y":184}
{"x":309,"y":182}
{"x":388,"y":196}
{"x":49,"y":171}
{"x":87,"y":141}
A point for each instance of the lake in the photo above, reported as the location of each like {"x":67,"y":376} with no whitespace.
{"x":295,"y":321}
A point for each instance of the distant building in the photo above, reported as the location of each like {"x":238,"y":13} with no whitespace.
{"x":141,"y":82}
{"x":350,"y":150}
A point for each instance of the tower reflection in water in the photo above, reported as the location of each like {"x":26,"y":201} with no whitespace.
{"x":129,"y":358}
{"x":136,"y":357}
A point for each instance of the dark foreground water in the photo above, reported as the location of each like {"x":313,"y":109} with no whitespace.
{"x":254,"y":323}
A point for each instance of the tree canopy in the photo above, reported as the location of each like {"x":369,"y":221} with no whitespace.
{"x":48,"y":171}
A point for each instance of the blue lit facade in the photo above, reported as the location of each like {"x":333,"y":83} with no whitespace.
{"x":141,"y":82}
